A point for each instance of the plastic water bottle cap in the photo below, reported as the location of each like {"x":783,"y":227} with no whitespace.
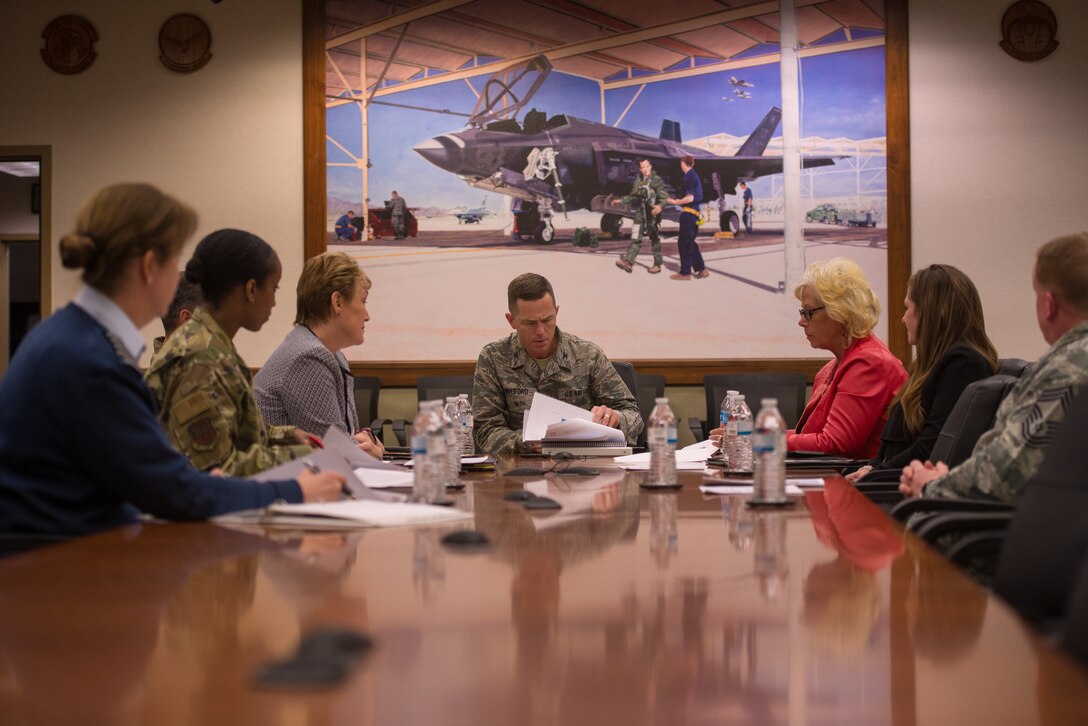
{"x":768,"y":402}
{"x":659,"y":401}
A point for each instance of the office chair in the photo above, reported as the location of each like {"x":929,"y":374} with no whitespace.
{"x":366,"y":390}
{"x":1015,"y":367}
{"x":1074,"y":635}
{"x":649,"y":387}
{"x":788,"y":388}
{"x":971,"y":417}
{"x":430,"y":388}
{"x":1047,"y":539}
{"x":626,"y":371}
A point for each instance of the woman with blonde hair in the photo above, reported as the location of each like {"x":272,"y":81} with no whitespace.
{"x":946,"y":326}
{"x":307,"y":382}
{"x":80,"y":448}
{"x":851,"y":394}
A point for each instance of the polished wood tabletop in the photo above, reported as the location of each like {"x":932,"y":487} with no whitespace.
{"x":626,"y":606}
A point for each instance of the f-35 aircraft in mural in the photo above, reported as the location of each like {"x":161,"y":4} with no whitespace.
{"x":561,"y":163}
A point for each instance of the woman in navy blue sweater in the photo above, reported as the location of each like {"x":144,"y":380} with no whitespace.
{"x":80,"y":447}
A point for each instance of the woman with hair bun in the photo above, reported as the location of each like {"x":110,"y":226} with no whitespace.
{"x":80,"y":448}
{"x":204,"y":388}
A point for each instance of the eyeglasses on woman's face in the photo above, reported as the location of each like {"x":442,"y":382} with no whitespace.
{"x":807,"y":313}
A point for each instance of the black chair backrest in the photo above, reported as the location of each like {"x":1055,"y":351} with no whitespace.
{"x":431,"y":388}
{"x":971,"y":417}
{"x":367,"y":389}
{"x":1074,"y":635}
{"x":788,"y":388}
{"x":627,"y":373}
{"x":1048,"y":538}
{"x":1012,"y":366}
{"x":649,"y":387}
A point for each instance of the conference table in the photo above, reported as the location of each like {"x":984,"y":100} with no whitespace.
{"x":624,"y":606}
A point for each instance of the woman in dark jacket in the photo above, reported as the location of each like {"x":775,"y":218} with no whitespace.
{"x":945,"y":324}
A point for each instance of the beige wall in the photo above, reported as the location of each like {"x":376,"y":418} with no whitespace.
{"x":227,"y":139}
{"x":998,"y":153}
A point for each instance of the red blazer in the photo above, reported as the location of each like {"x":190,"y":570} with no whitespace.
{"x":849,"y":404}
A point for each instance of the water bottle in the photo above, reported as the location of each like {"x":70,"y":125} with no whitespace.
{"x":468,"y":444}
{"x":769,"y":453}
{"x":453,"y":441}
{"x":428,"y":453}
{"x":724,"y":416}
{"x":740,"y":452}
{"x":661,"y":438}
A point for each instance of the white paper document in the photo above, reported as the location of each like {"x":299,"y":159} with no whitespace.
{"x":688,"y":458}
{"x":383,"y":478}
{"x":370,"y":513}
{"x":550,"y":418}
{"x":743,"y":489}
{"x":319,"y":460}
{"x":336,"y":440}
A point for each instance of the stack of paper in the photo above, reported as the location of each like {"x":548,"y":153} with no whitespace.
{"x":549,"y":418}
{"x":691,"y":458}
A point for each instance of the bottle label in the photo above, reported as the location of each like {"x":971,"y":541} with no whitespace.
{"x":723,"y":418}
{"x":436,"y":445}
{"x":744,"y":428}
{"x":671,"y":436}
{"x":763,"y":442}
{"x":731,"y":428}
{"x":419,"y":445}
{"x":656,"y":435}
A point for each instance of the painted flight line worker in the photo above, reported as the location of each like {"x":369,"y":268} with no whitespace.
{"x":398,"y":208}
{"x":747,"y":207}
{"x":204,"y":388}
{"x":80,"y":448}
{"x":647,"y":195}
{"x":538,"y":356}
{"x":691,"y":259}
{"x":344,"y":229}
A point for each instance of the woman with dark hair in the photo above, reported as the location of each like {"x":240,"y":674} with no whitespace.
{"x":204,"y":388}
{"x":80,"y":449}
{"x":946,"y":326}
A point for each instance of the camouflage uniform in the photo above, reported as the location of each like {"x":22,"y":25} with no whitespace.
{"x":206,"y":405}
{"x":1007,"y":455}
{"x":507,"y":376}
{"x":397,"y":209}
{"x":645,"y":195}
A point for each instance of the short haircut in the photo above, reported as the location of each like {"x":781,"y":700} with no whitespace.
{"x":122,"y":222}
{"x":229,"y":258}
{"x":527,"y":286}
{"x":187,"y":297}
{"x":744,"y":184}
{"x":841,"y":287}
{"x":321,"y":277}
{"x":1061,"y":266}
{"x":688,"y":159}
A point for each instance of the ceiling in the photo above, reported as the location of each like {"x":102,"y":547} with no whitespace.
{"x":410,"y":44}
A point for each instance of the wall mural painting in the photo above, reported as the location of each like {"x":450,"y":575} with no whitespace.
{"x":509,"y":160}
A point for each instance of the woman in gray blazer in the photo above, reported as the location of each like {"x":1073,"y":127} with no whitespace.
{"x":306,"y":382}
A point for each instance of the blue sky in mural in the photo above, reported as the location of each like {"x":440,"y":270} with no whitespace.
{"x":842,"y":95}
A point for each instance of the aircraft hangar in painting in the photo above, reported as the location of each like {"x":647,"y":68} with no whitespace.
{"x":544,"y":107}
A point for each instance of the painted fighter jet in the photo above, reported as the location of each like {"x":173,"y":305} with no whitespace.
{"x":735,"y":82}
{"x":473,"y":216}
{"x":563,"y":163}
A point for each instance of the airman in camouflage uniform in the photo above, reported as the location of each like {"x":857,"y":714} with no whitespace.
{"x":206,"y":404}
{"x":507,"y":377}
{"x":539,"y":357}
{"x":648,"y":194}
{"x":1007,"y":455}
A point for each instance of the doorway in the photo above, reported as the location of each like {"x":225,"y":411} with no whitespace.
{"x":24,"y":260}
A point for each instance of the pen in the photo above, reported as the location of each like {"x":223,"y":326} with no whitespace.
{"x":315,"y":469}
{"x":315,"y":442}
